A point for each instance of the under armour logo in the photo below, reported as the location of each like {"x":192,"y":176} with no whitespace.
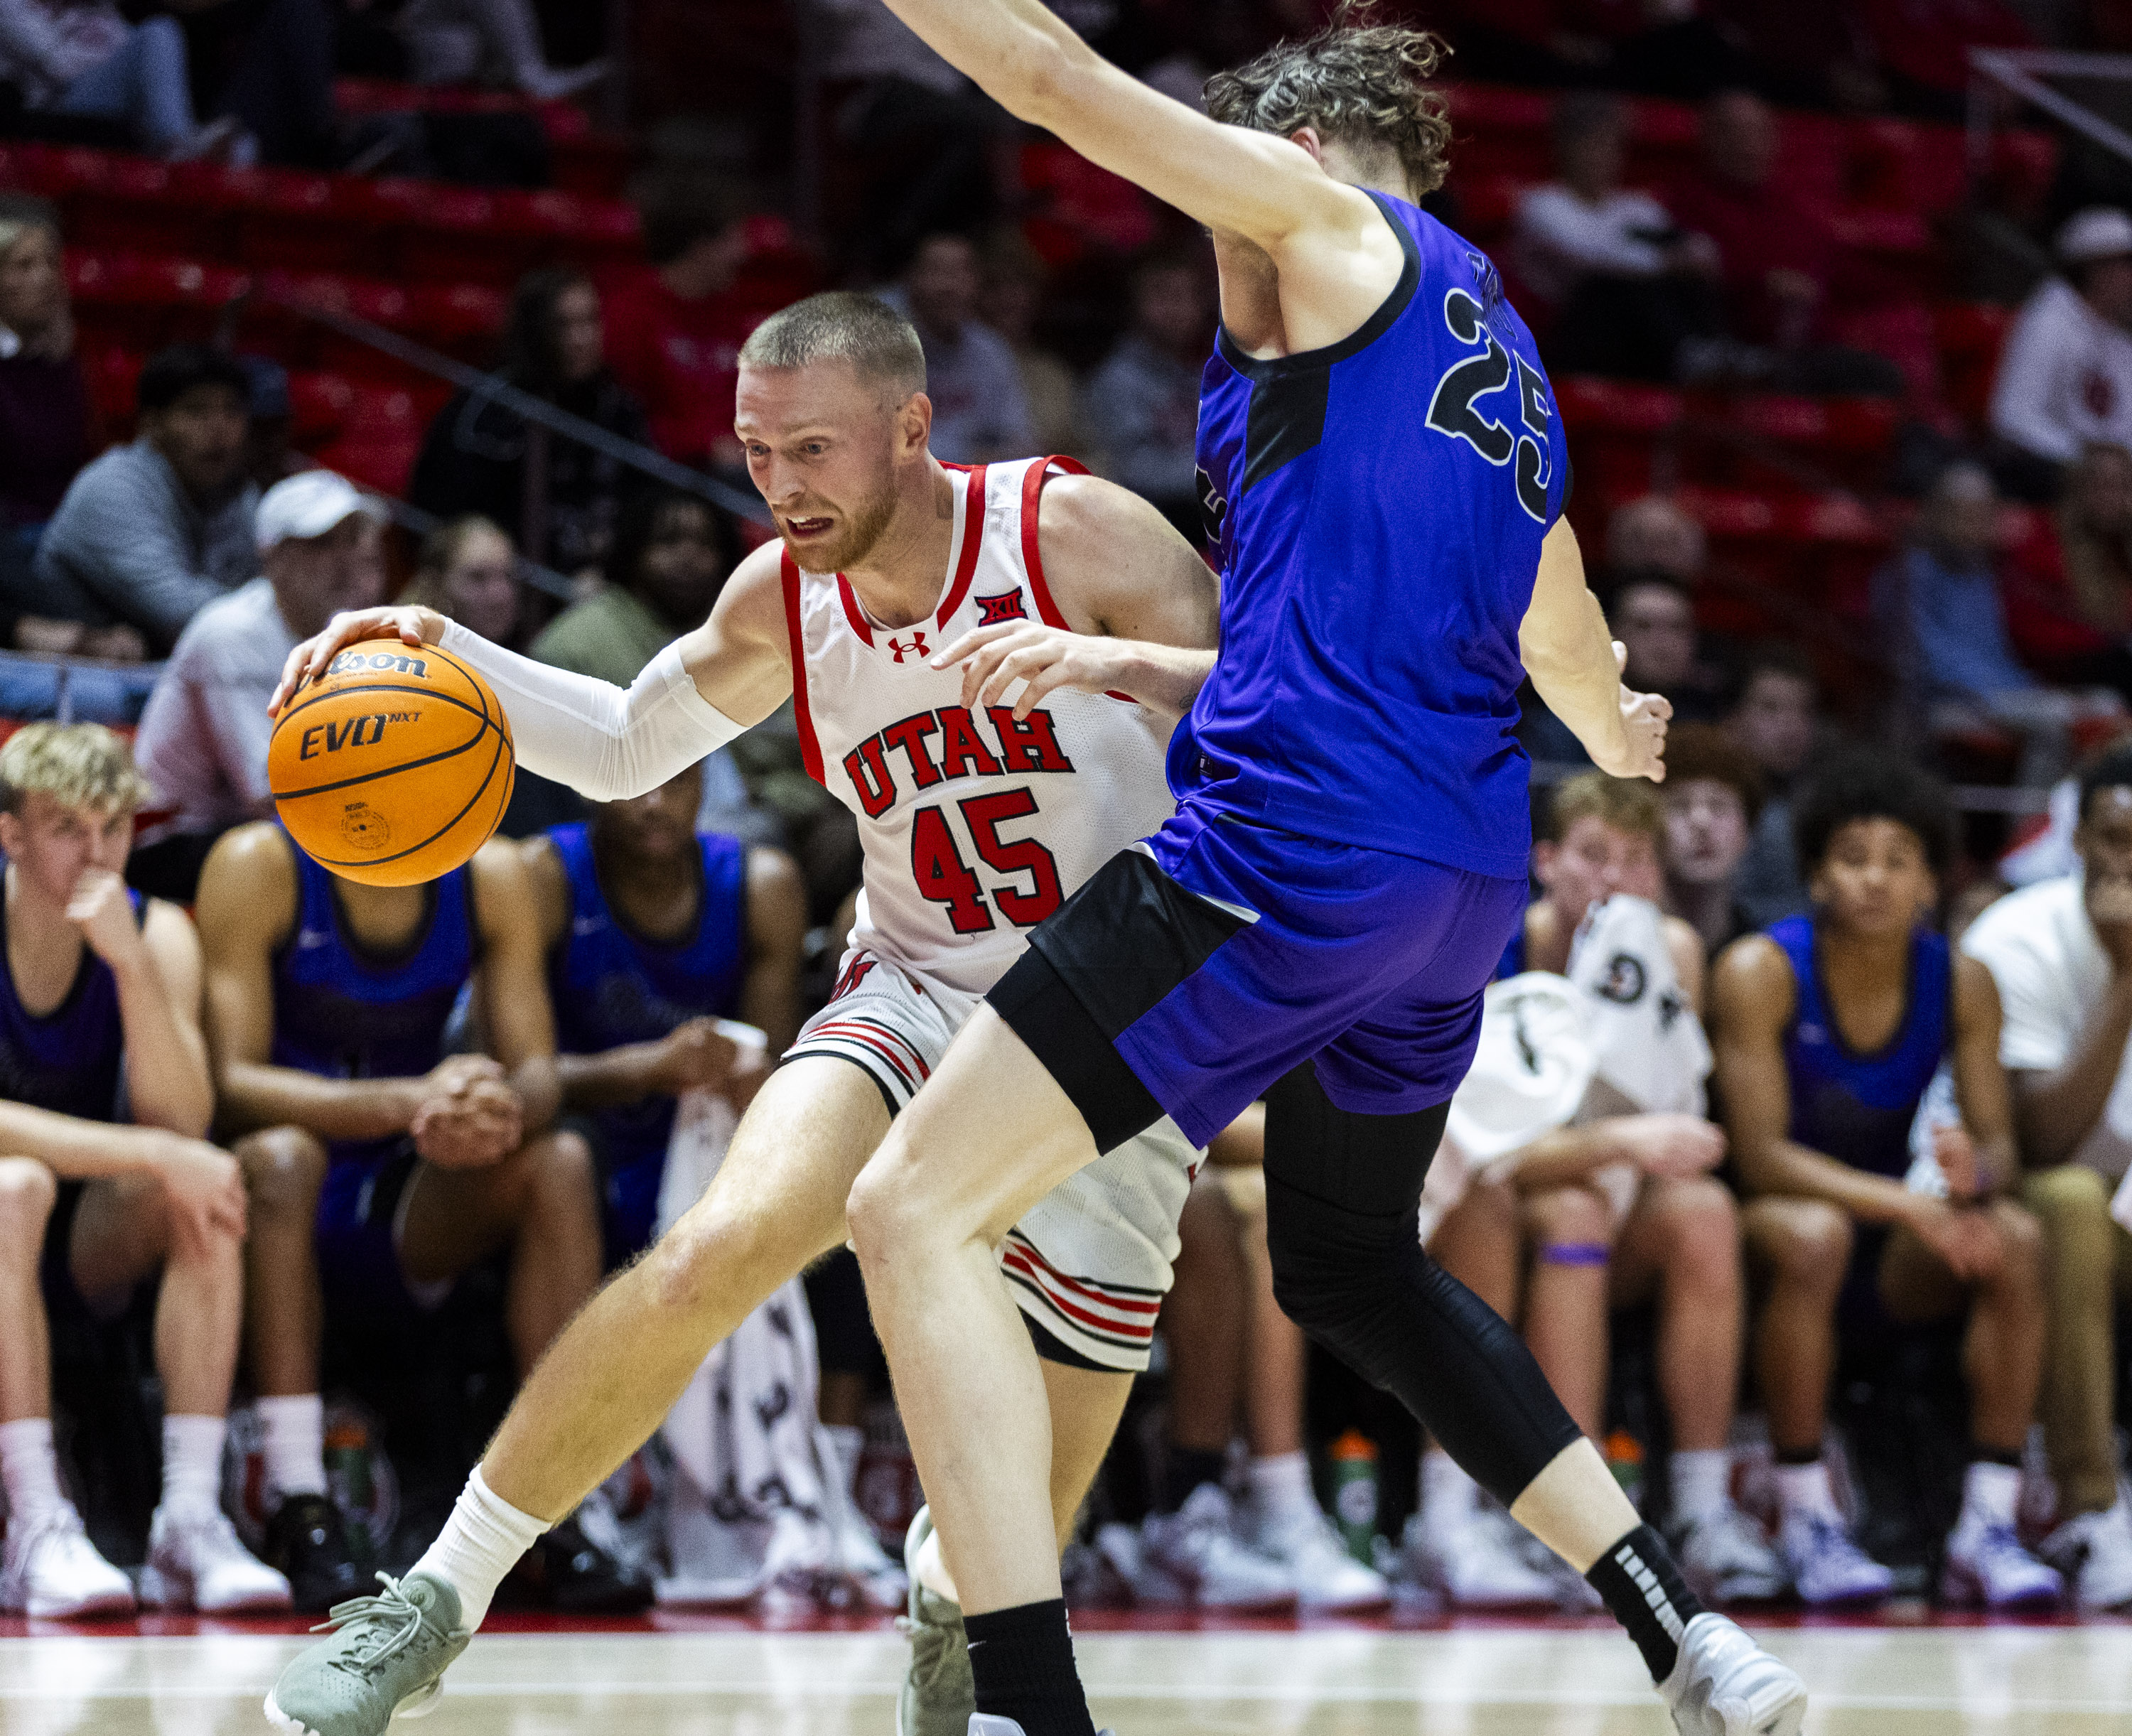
{"x":916,"y":648}
{"x":992,"y":610}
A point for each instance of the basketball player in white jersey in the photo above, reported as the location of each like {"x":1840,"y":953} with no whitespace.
{"x":985,"y":795}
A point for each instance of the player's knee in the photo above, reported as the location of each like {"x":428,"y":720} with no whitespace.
{"x":2021,"y":1247}
{"x":1702,"y":1228}
{"x":2068,"y":1193}
{"x":1575,"y":1215}
{"x":1810,"y":1249}
{"x":1328,"y":1265}
{"x":28,"y":1190}
{"x":560,"y":1176}
{"x":882,"y":1211}
{"x":284,"y":1169}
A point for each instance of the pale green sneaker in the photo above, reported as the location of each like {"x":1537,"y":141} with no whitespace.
{"x":387,"y":1654}
{"x":939,"y":1696}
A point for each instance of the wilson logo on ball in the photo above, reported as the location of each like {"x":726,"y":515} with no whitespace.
{"x":428,"y":783}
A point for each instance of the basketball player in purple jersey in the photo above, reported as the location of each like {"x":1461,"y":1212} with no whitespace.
{"x":1385,"y":473}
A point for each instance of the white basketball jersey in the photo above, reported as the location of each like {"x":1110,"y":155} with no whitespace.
{"x":976,"y":826}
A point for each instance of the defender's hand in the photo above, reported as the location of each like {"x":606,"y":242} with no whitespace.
{"x":412,"y":625}
{"x":1640,"y":752}
{"x":993,"y":658}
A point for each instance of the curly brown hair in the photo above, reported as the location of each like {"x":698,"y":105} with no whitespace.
{"x":1355,"y":81}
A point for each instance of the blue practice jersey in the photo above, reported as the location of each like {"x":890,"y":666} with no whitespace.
{"x":613,"y":986}
{"x":1857,"y":1108}
{"x":344,"y":1013}
{"x":1377,"y":509}
{"x":67,"y":1060}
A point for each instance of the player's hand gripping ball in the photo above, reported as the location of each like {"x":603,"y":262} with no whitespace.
{"x":394,"y":767}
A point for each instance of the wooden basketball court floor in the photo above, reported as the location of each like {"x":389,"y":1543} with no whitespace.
{"x":739,"y":1679}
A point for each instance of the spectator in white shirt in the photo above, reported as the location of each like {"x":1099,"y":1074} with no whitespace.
{"x":2065,"y":377}
{"x":2061,"y":954}
{"x":1627,"y":286}
{"x":203,"y":739}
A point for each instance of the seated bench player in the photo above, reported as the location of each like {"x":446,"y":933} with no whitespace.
{"x":1829,"y":1029}
{"x":107,"y":1180}
{"x":379,"y":1168}
{"x":653,"y":933}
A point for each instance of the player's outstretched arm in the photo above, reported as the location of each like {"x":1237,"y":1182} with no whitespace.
{"x":606,"y":742}
{"x":1575,"y":667}
{"x":1254,"y":185}
{"x":1143,"y":610}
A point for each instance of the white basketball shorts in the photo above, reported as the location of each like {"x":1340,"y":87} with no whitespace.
{"x":1090,"y":1264}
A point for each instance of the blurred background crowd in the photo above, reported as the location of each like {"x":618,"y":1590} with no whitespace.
{"x":1836,"y":300}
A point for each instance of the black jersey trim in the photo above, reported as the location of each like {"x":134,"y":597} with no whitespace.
{"x":1355,"y":343}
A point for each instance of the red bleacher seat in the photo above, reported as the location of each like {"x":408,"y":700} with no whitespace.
{"x":130,"y":302}
{"x":1970,"y":334}
{"x":1081,"y":205}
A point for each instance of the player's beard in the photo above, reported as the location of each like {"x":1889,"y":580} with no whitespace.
{"x":862,"y":527}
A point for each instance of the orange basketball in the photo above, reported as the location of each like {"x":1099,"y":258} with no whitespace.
{"x":395,"y":767}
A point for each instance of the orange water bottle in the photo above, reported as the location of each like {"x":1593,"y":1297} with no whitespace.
{"x":1354,"y":1457}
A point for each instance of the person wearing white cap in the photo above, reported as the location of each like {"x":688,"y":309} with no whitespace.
{"x":2065,"y":376}
{"x":202,"y":738}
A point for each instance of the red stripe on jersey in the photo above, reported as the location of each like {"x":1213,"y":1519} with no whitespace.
{"x":853,"y":612}
{"x":865,"y":1040}
{"x":803,"y":717}
{"x":973,"y":535}
{"x":1015,"y":1260}
{"x":851,"y":1027}
{"x":1032,"y":557}
{"x":1128,"y":1302}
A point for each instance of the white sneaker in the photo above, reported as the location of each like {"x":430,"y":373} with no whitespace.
{"x":1477,"y":1559}
{"x":196,"y":1562}
{"x":1725,"y":1684}
{"x":1727,"y":1559}
{"x":1194,"y":1557}
{"x":2095,"y":1552}
{"x":1826,"y":1564}
{"x":1304,"y":1542}
{"x":51,"y":1569}
{"x":1985,"y":1564}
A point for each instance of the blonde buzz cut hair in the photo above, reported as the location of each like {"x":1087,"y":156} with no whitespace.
{"x":77,"y":764}
{"x":843,"y":325}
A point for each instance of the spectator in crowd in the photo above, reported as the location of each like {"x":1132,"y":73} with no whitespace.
{"x":467,"y":572}
{"x":268,"y":458}
{"x":654,"y":933}
{"x":109,"y":1182}
{"x":1778,"y":263}
{"x":150,"y":533}
{"x":1013,"y":296}
{"x":1234,"y":1356}
{"x":204,"y":736}
{"x":1713,"y":797}
{"x":2095,"y":539}
{"x":1774,"y":721}
{"x":1653,"y":615}
{"x":1940,"y":613}
{"x":674,"y":337}
{"x":378,"y":1169}
{"x":492,"y":42}
{"x":44,"y":420}
{"x":2060,"y":951}
{"x":1142,"y":407}
{"x":1626,"y":286}
{"x":1655,"y":534}
{"x":2064,"y":373}
{"x":555,"y":498}
{"x":939,"y":151}
{"x":82,"y":58}
{"x":667,"y":562}
{"x":971,"y":374}
{"x":1829,"y":1030}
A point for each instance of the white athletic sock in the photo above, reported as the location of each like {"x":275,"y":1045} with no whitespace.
{"x":30,"y":1469}
{"x":292,"y":1435}
{"x":1804,"y":1491}
{"x":192,"y":1462}
{"x":480,"y":1543}
{"x":1447,"y":1493}
{"x":1989,"y":1493}
{"x":847,"y":1443}
{"x":1702,"y":1483}
{"x":1280,"y":1486}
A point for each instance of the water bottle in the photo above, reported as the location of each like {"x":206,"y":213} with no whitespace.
{"x":1354,"y":1457}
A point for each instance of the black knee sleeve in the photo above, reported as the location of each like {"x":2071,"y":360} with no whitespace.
{"x":1348,"y":1268}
